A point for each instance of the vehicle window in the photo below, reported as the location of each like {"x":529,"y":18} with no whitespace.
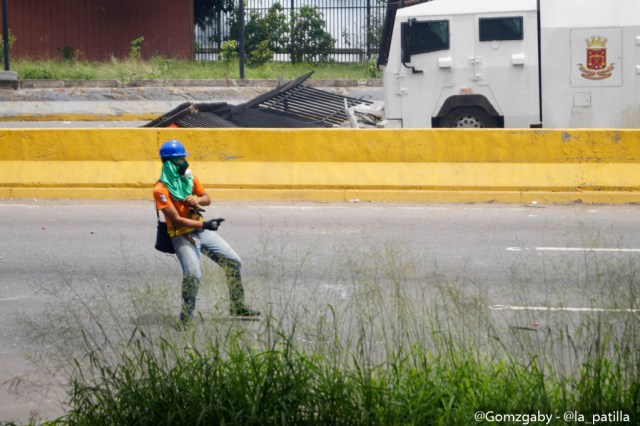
{"x":509,"y":28}
{"x":429,"y":36}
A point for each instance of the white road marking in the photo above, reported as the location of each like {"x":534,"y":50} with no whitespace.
{"x":22,"y":206}
{"x":578,"y":249}
{"x":344,"y":207}
{"x":597,"y":249}
{"x":560,"y":309}
{"x":9,"y":299}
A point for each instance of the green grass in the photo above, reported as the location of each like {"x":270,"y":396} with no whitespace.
{"x":127,"y":70}
{"x":233,"y":380}
{"x":405,"y":346}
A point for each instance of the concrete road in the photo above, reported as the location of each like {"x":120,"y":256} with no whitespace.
{"x":531,"y":257}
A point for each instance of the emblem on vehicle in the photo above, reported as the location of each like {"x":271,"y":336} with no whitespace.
{"x":597,"y":68}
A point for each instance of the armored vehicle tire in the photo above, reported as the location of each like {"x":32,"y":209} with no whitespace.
{"x":468,"y":117}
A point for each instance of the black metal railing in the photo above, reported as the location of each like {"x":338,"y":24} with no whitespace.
{"x":355,"y":25}
{"x":291,"y":105}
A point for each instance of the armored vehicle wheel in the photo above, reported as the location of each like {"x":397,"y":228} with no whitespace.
{"x":468,"y":118}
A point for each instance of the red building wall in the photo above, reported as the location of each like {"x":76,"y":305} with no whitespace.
{"x":100,"y":29}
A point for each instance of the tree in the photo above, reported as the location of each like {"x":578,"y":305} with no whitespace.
{"x":266,"y":35}
{"x":272,"y":27}
{"x":205,"y":10}
{"x":304,"y":37}
{"x":309,"y":41}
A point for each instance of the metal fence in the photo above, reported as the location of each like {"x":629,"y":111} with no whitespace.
{"x":355,"y":25}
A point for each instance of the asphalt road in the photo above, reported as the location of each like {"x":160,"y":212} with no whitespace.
{"x":511,"y":258}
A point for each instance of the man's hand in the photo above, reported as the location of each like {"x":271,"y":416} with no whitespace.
{"x":193,"y":202}
{"x":190,"y":200}
{"x":213,"y":224}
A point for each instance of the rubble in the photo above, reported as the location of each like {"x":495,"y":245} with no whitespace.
{"x":292,"y":105}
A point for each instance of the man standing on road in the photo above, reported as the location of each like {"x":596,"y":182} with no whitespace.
{"x":180,"y":195}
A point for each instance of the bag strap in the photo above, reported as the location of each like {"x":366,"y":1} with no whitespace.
{"x":155,"y":205}
{"x":158,"y":213}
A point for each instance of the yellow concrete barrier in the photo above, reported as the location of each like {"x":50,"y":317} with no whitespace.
{"x":330,"y":164}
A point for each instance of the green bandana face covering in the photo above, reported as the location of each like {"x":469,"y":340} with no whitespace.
{"x":180,"y":187}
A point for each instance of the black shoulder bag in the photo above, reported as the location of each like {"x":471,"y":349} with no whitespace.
{"x":163,"y":240}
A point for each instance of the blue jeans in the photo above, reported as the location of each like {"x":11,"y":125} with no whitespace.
{"x":188,"y":249}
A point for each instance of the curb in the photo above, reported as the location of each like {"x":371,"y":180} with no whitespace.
{"x":141,"y":100}
{"x":67,"y":84}
{"x":80,"y":117}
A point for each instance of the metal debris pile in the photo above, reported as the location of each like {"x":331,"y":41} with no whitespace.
{"x":292,"y":105}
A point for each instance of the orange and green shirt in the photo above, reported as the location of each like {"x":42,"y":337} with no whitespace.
{"x":163,"y":199}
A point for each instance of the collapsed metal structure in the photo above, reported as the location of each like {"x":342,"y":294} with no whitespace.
{"x":292,"y":105}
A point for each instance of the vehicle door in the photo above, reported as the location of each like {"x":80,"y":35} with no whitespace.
{"x":434,"y":58}
{"x":505,"y":65}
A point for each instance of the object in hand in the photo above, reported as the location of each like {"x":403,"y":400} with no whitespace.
{"x":213,"y":224}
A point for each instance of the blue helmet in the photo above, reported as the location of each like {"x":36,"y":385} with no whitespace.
{"x":172,"y":149}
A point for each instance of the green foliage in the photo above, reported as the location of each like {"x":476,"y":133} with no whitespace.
{"x":303,"y":36}
{"x":67,"y":53}
{"x":404,"y":347}
{"x":375,"y":30}
{"x":83,"y":73}
{"x":260,"y":55}
{"x":229,"y":381}
{"x":12,"y":40}
{"x":309,"y":41}
{"x":372,"y":67}
{"x":36,"y":73}
{"x":135,"y":49}
{"x":271,"y":28}
{"x":172,"y":69}
{"x":205,"y":10}
{"x":229,"y":51}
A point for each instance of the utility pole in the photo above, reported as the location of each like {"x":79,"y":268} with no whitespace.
{"x":369,"y":29}
{"x":241,"y":37}
{"x":8,"y":79}
{"x":5,"y":34}
{"x":291,"y":16}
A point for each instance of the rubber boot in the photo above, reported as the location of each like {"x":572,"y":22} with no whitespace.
{"x":190,"y":286}
{"x":236,"y":290}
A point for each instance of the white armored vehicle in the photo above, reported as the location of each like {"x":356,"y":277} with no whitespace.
{"x":514,"y":64}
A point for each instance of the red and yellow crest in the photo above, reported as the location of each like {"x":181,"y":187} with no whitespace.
{"x":597,"y":68}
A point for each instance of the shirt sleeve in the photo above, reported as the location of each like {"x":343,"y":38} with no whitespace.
{"x":161,"y":196}
{"x":198,"y":189}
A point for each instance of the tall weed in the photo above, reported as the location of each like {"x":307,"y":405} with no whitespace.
{"x":380,"y":340}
